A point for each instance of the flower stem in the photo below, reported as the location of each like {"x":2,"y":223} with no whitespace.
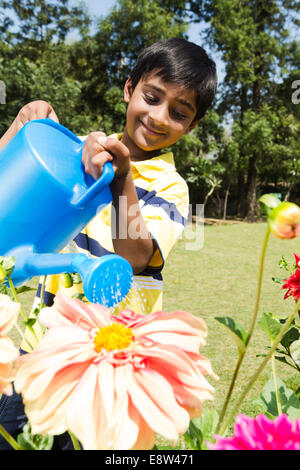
{"x":254,"y":318}
{"x":254,"y":377}
{"x":9,"y":438}
{"x":259,"y":283}
{"x":230,"y":390}
{"x":42,"y":292}
{"x":75,"y":441}
{"x":279,"y":409}
{"x":14,"y":293}
{"x":25,"y":317}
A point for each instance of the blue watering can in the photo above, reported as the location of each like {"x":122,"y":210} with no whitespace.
{"x":46,"y":199}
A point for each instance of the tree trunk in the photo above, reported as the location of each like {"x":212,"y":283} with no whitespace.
{"x":225,"y":203}
{"x":288,"y":194}
{"x":207,"y":196}
{"x":251,"y":187}
{"x":241,"y":207}
{"x":241,"y":195}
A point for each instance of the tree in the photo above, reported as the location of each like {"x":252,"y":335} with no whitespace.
{"x":254,"y":41}
{"x":252,"y":37}
{"x":45,"y":21}
{"x":35,"y":61}
{"x":106,"y":59}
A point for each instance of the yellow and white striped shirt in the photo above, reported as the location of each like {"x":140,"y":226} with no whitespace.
{"x":163,"y":200}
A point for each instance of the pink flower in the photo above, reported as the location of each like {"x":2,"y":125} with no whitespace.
{"x":9,"y":311}
{"x":114,"y":380}
{"x":285,"y":220}
{"x":261,"y":433}
{"x":292,"y":284}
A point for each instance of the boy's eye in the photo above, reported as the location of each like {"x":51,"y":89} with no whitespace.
{"x":151,"y":99}
{"x":179,"y":116}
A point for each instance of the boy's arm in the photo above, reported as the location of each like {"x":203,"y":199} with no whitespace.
{"x":130,"y":236}
{"x":35,"y":110}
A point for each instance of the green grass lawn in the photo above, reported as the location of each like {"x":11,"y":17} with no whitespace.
{"x":220,"y":279}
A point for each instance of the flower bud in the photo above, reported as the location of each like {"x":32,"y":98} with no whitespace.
{"x":67,"y":280}
{"x":285,"y":220}
{"x":2,"y":274}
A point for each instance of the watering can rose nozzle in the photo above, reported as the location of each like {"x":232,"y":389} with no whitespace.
{"x":106,"y":280}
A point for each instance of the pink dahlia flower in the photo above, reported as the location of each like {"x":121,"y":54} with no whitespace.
{"x":114,"y":380}
{"x":9,"y":311}
{"x":292,"y":284}
{"x":261,"y":433}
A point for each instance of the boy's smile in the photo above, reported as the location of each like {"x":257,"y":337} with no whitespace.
{"x":158,"y":114}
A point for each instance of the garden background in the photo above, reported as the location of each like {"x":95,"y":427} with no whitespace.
{"x":247,"y":144}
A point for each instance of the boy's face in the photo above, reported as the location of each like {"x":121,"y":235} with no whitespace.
{"x":158,"y":113}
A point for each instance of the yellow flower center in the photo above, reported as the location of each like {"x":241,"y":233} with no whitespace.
{"x":112,"y":337}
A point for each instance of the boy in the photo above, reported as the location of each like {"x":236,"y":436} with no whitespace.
{"x":170,"y":88}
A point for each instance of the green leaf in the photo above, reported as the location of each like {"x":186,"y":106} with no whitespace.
{"x":278,"y":280}
{"x":270,"y":201}
{"x":295,"y":352}
{"x":22,"y":289}
{"x":238,"y":333}
{"x":30,"y":322}
{"x":78,"y":296}
{"x":290,"y":337}
{"x":4,"y":289}
{"x":201,"y":430}
{"x":29,"y":441}
{"x":8,"y":264}
{"x":270,"y":324}
{"x":285,"y":361}
{"x":76,"y":278}
{"x":289,"y":401}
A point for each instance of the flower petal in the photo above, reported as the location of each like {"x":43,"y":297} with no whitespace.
{"x":9,"y":311}
{"x":152,"y":414}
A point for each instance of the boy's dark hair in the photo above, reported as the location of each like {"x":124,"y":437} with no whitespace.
{"x":182,"y":62}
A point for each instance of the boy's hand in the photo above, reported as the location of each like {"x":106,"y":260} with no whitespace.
{"x":35,"y":110}
{"x":31,"y":111}
{"x":99,"y":149}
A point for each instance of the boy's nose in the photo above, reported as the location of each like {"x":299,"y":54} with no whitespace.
{"x":159,"y":117}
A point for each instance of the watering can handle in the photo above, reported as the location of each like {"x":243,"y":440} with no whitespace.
{"x":104,"y":180}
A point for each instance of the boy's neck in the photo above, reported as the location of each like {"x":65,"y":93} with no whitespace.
{"x":136,"y":153}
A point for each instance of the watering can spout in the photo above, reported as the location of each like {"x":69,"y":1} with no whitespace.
{"x":106,"y":280}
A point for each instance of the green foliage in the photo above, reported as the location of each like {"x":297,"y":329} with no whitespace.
{"x":30,"y":441}
{"x":289,"y":401}
{"x":289,"y":350}
{"x":44,"y":21}
{"x":270,"y":324}
{"x":7,"y":263}
{"x":238,"y":333}
{"x":83,"y":80}
{"x":201,"y":430}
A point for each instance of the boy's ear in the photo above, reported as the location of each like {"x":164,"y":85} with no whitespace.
{"x":127,"y":90}
{"x":191,"y":126}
